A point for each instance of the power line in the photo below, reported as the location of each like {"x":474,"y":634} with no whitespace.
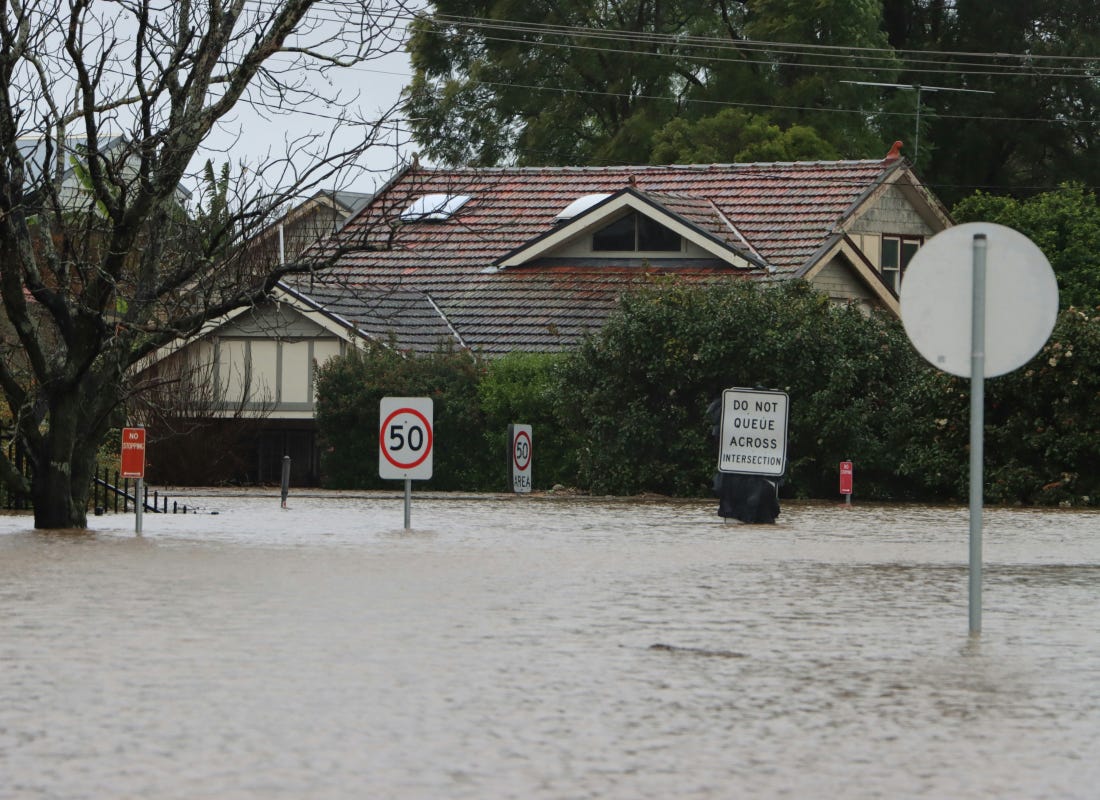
{"x":1028,"y":64}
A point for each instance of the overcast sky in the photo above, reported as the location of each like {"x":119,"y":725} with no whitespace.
{"x":373,"y":88}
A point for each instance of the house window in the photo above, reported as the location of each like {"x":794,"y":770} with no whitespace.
{"x":636,"y":232}
{"x":897,"y":252}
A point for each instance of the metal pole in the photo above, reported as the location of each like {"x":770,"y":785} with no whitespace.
{"x":916,"y":146}
{"x":139,"y":506}
{"x":408,"y":503}
{"x":286,"y":478}
{"x":977,"y":430}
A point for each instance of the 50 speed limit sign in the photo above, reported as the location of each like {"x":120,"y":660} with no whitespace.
{"x":405,"y":438}
{"x":520,"y":461}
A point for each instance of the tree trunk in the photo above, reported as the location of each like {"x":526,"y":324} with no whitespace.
{"x":63,"y":464}
{"x":58,"y":502}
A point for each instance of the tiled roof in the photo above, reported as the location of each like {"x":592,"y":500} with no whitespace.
{"x":394,"y":275}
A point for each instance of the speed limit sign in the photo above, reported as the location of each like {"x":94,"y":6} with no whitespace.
{"x":520,"y":436}
{"x":405,"y":438}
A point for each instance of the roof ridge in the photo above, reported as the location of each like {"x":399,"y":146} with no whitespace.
{"x":607,"y":169}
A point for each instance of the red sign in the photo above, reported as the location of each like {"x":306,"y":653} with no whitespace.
{"x":133,"y":453}
{"x":845,"y":477}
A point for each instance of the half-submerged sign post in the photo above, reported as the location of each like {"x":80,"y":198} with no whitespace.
{"x":405,"y":440}
{"x":519,"y":459}
{"x":133,"y":466}
{"x":752,"y":451}
{"x":978,"y":323}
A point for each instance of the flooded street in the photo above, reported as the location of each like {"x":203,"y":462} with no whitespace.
{"x":531,"y":648}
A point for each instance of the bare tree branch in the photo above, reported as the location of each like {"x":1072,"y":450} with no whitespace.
{"x":110,"y":243}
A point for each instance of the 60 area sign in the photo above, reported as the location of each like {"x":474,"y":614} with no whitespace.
{"x":405,"y":438}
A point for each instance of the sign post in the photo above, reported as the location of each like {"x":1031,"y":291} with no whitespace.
{"x":752,"y":454}
{"x":133,"y":466}
{"x":846,"y":477}
{"x":519,"y":459}
{"x":405,"y":441}
{"x":978,"y":323}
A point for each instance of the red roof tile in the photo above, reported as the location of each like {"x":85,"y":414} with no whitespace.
{"x":779,"y":214}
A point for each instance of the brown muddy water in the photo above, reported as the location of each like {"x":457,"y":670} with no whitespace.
{"x":525,"y":648}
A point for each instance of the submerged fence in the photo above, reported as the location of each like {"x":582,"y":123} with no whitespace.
{"x":107,"y":493}
{"x":110,"y":493}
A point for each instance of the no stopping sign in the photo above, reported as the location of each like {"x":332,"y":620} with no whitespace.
{"x":405,"y":438}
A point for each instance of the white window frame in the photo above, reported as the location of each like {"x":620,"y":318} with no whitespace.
{"x":893,"y":273}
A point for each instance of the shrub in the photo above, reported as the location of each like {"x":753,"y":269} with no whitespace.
{"x":639,"y":389}
{"x":524,"y":388}
{"x":626,"y":412}
{"x":350,"y":388}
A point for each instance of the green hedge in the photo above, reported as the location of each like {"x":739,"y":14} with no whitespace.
{"x":625,"y":412}
{"x":474,"y":401}
{"x":641,"y":387}
{"x":350,"y":388}
{"x":525,"y":388}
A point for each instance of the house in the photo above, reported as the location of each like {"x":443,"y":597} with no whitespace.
{"x":505,"y":259}
{"x":533,"y":258}
{"x":240,"y":394}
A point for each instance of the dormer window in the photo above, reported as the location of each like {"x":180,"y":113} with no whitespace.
{"x":434,"y":207}
{"x":636,"y":232}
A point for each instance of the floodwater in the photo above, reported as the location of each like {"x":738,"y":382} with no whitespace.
{"x":533,"y":648}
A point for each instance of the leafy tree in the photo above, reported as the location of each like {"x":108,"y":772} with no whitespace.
{"x":1042,"y":432}
{"x":492,"y":82}
{"x":732,"y":135}
{"x":582,"y":83}
{"x":810,"y":80}
{"x":1065,"y":224}
{"x":1042,"y":438}
{"x":102,"y":111}
{"x":575,"y":83}
{"x":1036,"y":127}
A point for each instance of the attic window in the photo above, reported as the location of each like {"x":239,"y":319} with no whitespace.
{"x":434,"y":207}
{"x":636,"y":232}
{"x":580,"y":205}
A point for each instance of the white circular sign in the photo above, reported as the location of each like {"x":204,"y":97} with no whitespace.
{"x":1021,"y":299}
{"x":405,"y":438}
{"x":521,"y":450}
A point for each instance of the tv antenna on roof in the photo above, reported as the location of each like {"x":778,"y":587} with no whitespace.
{"x":918,"y":88}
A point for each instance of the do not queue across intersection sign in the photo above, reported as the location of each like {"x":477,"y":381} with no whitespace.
{"x":405,"y":438}
{"x":753,"y":437}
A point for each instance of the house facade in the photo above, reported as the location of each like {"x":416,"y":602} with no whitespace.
{"x":240,"y":394}
{"x":533,"y":259}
